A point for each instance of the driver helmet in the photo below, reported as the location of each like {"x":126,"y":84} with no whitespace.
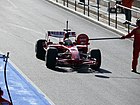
{"x":67,"y":41}
{"x":67,"y":35}
{"x":138,"y":22}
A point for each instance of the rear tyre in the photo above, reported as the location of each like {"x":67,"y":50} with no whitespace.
{"x":51,"y":55}
{"x":96,"y":53}
{"x":40,"y":52}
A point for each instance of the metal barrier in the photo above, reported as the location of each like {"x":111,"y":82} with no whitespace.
{"x":133,"y":10}
{"x":95,"y":11}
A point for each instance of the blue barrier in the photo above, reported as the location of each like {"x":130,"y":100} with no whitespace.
{"x":22,"y":92}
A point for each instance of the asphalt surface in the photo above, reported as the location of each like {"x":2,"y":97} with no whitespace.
{"x":23,"y":22}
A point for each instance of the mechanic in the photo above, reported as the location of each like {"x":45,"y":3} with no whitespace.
{"x":2,"y":100}
{"x":127,"y":11}
{"x":136,"y":44}
{"x":66,"y":39}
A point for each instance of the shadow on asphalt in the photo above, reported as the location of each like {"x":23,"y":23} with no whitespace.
{"x":99,"y":74}
{"x":117,"y":77}
{"x":102,"y":76}
{"x":138,"y":73}
{"x":62,"y":69}
{"x":81,"y":70}
{"x":104,"y":71}
{"x":124,"y":77}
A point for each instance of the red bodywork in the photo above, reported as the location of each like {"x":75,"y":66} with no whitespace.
{"x":74,"y":55}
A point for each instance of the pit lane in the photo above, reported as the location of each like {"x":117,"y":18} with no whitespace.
{"x":34,"y":17}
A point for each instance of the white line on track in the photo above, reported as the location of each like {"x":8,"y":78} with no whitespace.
{"x":1,"y":30}
{"x":25,"y":28}
{"x":12,"y":3}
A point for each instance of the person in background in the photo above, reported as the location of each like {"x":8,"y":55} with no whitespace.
{"x":127,"y":11}
{"x":136,"y":44}
{"x":2,"y":100}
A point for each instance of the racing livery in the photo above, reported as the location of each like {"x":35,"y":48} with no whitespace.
{"x":75,"y":55}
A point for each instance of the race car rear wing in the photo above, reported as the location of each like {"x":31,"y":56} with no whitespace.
{"x":57,"y":34}
{"x":60,"y":34}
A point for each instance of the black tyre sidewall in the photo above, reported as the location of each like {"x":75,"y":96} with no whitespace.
{"x":51,"y":55}
{"x":40,"y":52}
{"x":96,"y":53}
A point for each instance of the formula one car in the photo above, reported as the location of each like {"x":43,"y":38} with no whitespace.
{"x":75,"y":55}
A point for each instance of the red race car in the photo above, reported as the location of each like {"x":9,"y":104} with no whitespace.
{"x":75,"y":55}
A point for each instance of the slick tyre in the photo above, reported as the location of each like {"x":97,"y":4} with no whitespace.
{"x":96,"y":53}
{"x":40,"y":52}
{"x":51,"y":55}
